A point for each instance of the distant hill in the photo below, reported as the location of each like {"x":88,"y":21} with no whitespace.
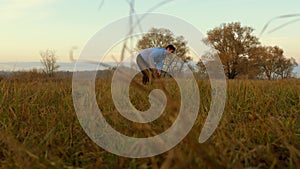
{"x":67,"y":67}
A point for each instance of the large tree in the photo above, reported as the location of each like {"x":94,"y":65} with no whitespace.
{"x":232,"y":43}
{"x":285,"y":68}
{"x":270,"y":62}
{"x":161,"y":37}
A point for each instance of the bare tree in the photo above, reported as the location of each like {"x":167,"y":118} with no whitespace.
{"x":209,"y":61}
{"x":49,"y":61}
{"x":206,"y":59}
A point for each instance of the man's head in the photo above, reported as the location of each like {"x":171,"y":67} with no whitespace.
{"x":170,"y":49}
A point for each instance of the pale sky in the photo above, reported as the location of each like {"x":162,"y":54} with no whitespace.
{"x":29,"y":26}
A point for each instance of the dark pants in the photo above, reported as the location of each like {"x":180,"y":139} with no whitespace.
{"x":145,"y":69}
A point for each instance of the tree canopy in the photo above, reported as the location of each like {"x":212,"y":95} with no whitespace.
{"x":241,"y":53}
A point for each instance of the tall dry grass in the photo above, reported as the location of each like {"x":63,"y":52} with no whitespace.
{"x":260,"y":127}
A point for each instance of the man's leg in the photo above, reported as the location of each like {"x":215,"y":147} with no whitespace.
{"x":147,"y":75}
{"x":144,"y":67}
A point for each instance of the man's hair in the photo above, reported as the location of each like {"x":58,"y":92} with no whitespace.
{"x":171,"y":47}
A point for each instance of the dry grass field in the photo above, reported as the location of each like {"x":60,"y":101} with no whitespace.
{"x":260,"y":127}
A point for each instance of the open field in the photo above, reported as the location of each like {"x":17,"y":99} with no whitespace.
{"x":260,"y":127}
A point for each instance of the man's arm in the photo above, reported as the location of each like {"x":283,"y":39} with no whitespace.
{"x":156,"y":72}
{"x":159,"y":65}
